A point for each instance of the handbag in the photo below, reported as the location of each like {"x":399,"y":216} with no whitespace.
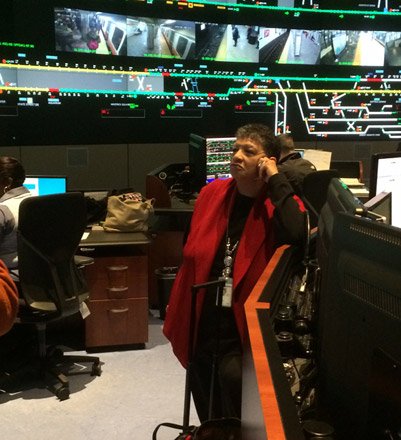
{"x":129,"y":212}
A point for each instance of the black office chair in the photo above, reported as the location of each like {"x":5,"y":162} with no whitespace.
{"x":315,"y":186}
{"x":51,"y":285}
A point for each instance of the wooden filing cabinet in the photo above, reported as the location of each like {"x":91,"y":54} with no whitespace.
{"x":118,"y":301}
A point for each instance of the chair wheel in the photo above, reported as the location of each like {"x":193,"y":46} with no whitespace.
{"x":96,"y":370}
{"x":62,"y":392}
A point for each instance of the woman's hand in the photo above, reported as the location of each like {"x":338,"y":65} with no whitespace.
{"x":267,"y":167}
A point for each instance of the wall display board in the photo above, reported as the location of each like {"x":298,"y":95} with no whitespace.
{"x":97,"y":71}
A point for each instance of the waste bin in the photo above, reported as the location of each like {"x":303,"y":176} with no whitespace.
{"x":165,"y":279}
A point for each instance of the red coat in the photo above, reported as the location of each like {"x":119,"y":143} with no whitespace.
{"x":8,"y":300}
{"x":208,"y":225}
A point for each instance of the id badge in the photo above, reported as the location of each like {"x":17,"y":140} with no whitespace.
{"x":227,"y":293}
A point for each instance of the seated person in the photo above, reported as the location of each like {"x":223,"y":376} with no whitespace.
{"x":292,"y":164}
{"x":8,"y":300}
{"x":12,"y":191}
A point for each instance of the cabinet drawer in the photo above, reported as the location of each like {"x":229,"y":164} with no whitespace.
{"x":118,"y":277}
{"x":117,"y":322}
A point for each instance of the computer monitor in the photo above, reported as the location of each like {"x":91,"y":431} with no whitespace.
{"x":197,"y":161}
{"x":339,"y":199}
{"x":209,"y":158}
{"x":385,"y":175}
{"x":360,"y":351}
{"x":45,"y":185}
{"x":218,"y":157}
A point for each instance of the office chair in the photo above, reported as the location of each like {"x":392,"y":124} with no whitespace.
{"x":51,"y":285}
{"x":315,"y":186}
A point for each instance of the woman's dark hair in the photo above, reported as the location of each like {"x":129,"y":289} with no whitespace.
{"x":262,"y":134}
{"x":11,"y":171}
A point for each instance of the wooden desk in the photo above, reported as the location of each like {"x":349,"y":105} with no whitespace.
{"x":118,"y":286}
{"x":98,"y":237}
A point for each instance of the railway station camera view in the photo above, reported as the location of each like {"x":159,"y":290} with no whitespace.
{"x":227,"y":42}
{"x":393,"y":49}
{"x":77,"y":30}
{"x":355,"y":48}
{"x":160,"y":37}
{"x":94,"y":32}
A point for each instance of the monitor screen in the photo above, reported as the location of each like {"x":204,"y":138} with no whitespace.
{"x":45,"y":185}
{"x":385,"y":175}
{"x":360,"y":356}
{"x":218,"y":157}
{"x":209,"y":159}
{"x":175,"y":67}
{"x":339,"y":199}
{"x":197,"y":161}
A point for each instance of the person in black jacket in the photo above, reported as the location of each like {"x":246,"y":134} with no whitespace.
{"x":292,"y":164}
{"x":235,"y":35}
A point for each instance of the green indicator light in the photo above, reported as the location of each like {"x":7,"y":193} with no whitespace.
{"x":297,"y":14}
{"x":286,"y":13}
{"x":341,"y":15}
{"x":269,"y":103}
{"x":248,"y":102}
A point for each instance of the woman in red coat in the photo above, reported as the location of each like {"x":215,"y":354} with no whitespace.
{"x":236,"y":226}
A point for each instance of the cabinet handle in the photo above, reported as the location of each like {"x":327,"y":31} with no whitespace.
{"x":119,"y":310}
{"x":117,"y":267}
{"x":117,"y":292}
{"x":87,"y":249}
